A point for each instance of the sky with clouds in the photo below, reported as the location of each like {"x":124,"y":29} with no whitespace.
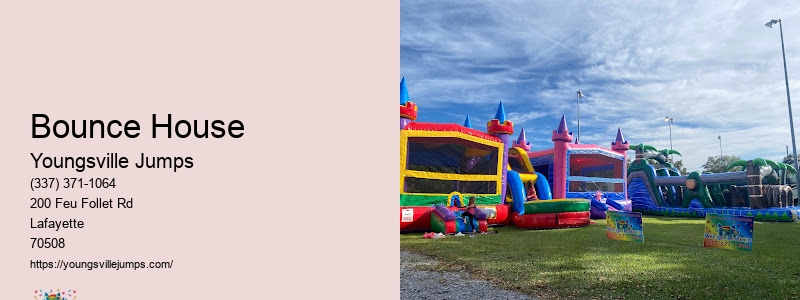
{"x":710,"y":65}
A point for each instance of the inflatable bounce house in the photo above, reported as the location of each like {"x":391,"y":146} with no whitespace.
{"x":586,"y":171}
{"x":758,"y":190}
{"x":442,"y":166}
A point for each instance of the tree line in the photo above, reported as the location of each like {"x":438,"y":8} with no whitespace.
{"x":714,"y":164}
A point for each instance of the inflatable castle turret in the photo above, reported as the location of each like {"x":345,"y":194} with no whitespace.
{"x":620,"y":145}
{"x":502,"y":128}
{"x":561,"y":137}
{"x":522,"y":142}
{"x":408,"y":110}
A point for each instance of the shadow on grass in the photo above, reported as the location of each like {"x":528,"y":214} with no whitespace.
{"x":581,"y":263}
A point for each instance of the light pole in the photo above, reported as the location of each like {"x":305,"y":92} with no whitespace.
{"x":788,"y":98}
{"x":670,"y":121}
{"x":719,"y":137}
{"x":578,"y":104}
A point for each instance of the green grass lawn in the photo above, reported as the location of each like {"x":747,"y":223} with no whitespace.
{"x":581,"y":263}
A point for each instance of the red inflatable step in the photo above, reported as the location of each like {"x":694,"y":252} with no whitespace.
{"x":552,"y":220}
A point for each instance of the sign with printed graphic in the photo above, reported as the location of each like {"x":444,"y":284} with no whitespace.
{"x":728,"y":232}
{"x":407,"y":215}
{"x":624,"y":226}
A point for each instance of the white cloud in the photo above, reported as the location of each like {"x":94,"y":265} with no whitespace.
{"x":711,"y":65}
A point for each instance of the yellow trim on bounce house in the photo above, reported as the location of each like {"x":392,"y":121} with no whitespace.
{"x":405,"y":134}
{"x":524,"y":156}
{"x":528,"y":177}
{"x":450,"y":176}
{"x":460,"y":198}
{"x":446,"y":197}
